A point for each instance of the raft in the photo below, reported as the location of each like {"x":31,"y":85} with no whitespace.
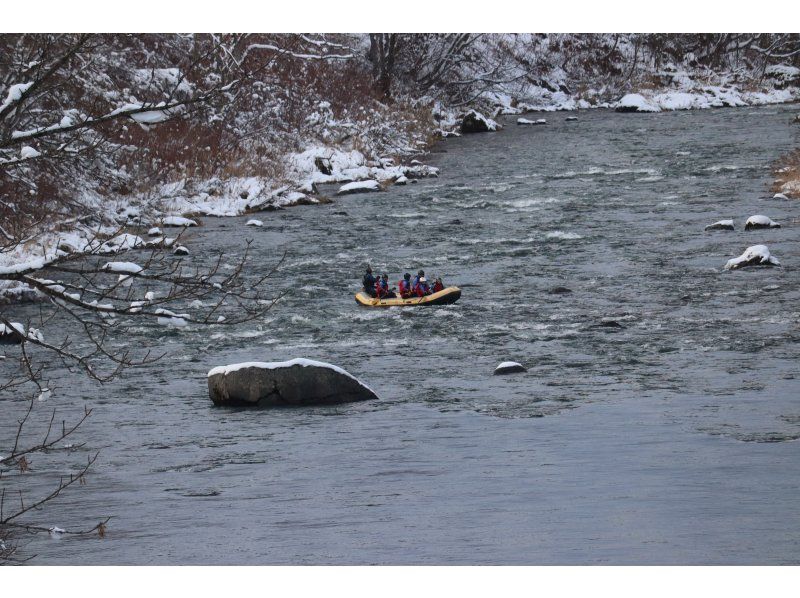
{"x":443,"y":297}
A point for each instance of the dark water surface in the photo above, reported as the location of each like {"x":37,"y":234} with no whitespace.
{"x":668,"y":439}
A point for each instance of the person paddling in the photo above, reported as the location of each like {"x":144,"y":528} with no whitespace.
{"x":438,"y":285}
{"x":368,"y":282}
{"x":382,"y":289}
{"x":421,"y":289}
{"x":405,"y":286}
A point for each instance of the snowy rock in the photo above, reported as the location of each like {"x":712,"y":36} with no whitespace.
{"x":757,"y":255}
{"x":180,"y":250}
{"x":779,"y":196}
{"x":759,"y":221}
{"x":126,"y":267}
{"x":254,"y":223}
{"x":475,"y":122}
{"x":359,"y":187}
{"x":525,"y":121}
{"x":721,"y":225}
{"x":154,"y":232}
{"x":571,"y":118}
{"x":27,"y":152}
{"x":401,"y":180}
{"x":178,"y":221}
{"x":8,"y":336}
{"x":634,"y":102}
{"x":509,"y":367}
{"x":294,"y":382}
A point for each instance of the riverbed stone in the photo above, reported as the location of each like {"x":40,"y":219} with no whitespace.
{"x":275,"y":384}
{"x":475,"y":122}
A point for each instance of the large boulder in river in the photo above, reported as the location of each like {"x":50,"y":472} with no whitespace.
{"x":367,"y":186}
{"x":634,"y":102}
{"x":756,"y":255}
{"x":475,"y":122}
{"x":759,"y":221}
{"x":281,"y":383}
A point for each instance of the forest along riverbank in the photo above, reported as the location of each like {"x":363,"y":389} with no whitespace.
{"x":666,"y":438}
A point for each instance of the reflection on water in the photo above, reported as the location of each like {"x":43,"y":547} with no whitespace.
{"x":655,"y":423}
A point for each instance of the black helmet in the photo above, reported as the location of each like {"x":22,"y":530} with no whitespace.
{"x":421,"y":273}
{"x":385,"y":275}
{"x":407,"y":276}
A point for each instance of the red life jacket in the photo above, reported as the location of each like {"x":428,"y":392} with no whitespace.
{"x":381,"y":288}
{"x":437,"y":286}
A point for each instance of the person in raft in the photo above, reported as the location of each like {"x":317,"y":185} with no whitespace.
{"x":438,"y":285}
{"x":382,"y":290}
{"x":405,"y":286}
{"x":421,"y":288}
{"x":368,"y":282}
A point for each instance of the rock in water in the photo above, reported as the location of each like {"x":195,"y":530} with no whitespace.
{"x":559,"y":291}
{"x":756,"y":255}
{"x":759,"y":221}
{"x":509,"y":367}
{"x":181,"y":250}
{"x":294,"y":382}
{"x":9,"y":335}
{"x":721,"y":225}
{"x":359,"y":187}
{"x":525,"y":121}
{"x":475,"y":122}
{"x":571,"y":118}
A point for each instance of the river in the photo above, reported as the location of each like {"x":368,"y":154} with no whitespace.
{"x":669,"y":437}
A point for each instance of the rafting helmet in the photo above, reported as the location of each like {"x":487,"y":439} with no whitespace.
{"x":407,"y":276}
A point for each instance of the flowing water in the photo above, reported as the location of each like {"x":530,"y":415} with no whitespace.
{"x":657,"y":422}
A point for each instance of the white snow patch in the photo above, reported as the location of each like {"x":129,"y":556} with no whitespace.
{"x":761,"y":220}
{"x":636,"y":102}
{"x":178,"y":221}
{"x":254,"y":223}
{"x":128,"y":267}
{"x":359,"y":187}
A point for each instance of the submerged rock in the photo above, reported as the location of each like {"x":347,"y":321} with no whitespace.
{"x":559,"y":291}
{"x":509,"y":367}
{"x":294,"y":382}
{"x":756,"y":255}
{"x":759,"y":221}
{"x":721,"y":225}
{"x":475,"y":122}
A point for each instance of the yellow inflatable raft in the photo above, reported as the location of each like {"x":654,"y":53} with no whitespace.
{"x":443,"y":297}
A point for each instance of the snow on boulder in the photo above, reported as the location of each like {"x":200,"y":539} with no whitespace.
{"x":180,"y":250}
{"x":359,"y":187}
{"x":8,"y":335}
{"x":254,"y":223}
{"x":294,"y":382}
{"x":126,"y":267}
{"x":779,"y":196}
{"x":757,"y":255}
{"x":571,"y":118}
{"x":475,"y":122}
{"x":634,"y":102}
{"x":721,"y":225}
{"x":509,"y":367}
{"x":759,"y":221}
{"x":154,"y":232}
{"x":525,"y":121}
{"x":178,"y":221}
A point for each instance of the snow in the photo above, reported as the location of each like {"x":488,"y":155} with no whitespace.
{"x":525,"y":121}
{"x":180,"y":250}
{"x":15,"y":94}
{"x":636,"y":103}
{"x":254,"y":223}
{"x":779,"y":196}
{"x":508,"y":364}
{"x":127,"y":267}
{"x":359,"y":187}
{"x":14,"y":326}
{"x":148,"y":117}
{"x":272,"y":365}
{"x":761,"y":220}
{"x":154,"y":232}
{"x":27,"y":152}
{"x":56,"y":531}
{"x":178,"y":221}
{"x":721,"y":224}
{"x":755,"y":252}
